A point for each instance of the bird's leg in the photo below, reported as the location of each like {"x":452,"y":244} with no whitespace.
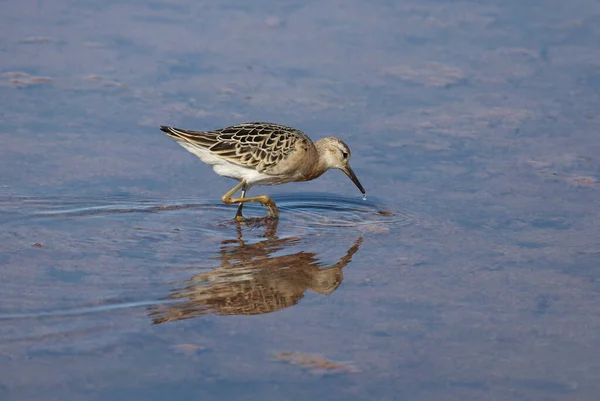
{"x":228,"y":200}
{"x":264,"y":200}
{"x":238,"y":214}
{"x":267,"y":202}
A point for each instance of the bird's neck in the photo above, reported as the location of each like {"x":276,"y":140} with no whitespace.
{"x":320,"y":166}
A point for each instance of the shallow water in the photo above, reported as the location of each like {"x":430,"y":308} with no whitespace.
{"x":470,"y":273}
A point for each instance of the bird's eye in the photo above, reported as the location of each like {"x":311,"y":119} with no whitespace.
{"x":344,"y":155}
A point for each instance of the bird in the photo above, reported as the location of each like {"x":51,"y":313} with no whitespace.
{"x":261,"y":153}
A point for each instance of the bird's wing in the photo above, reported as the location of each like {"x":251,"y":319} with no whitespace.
{"x":254,"y":145}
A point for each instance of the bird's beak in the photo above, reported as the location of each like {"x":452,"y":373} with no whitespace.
{"x":348,"y":171}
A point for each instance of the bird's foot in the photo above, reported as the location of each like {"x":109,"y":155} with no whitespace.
{"x":271,"y":207}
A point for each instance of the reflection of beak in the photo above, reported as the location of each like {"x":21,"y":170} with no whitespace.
{"x":352,"y":176}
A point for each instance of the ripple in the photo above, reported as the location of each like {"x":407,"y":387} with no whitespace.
{"x":55,"y":207}
{"x":83,"y":310}
{"x":323,"y":211}
{"x":309,"y":210}
{"x":109,"y":224}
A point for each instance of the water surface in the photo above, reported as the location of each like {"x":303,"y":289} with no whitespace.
{"x":470,"y":273}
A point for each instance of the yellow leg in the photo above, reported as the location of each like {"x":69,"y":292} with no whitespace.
{"x":264,"y":200}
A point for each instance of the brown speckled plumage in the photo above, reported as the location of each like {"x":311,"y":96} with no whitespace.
{"x":262,"y":153}
{"x":257,"y":145}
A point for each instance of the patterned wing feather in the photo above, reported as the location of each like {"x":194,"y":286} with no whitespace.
{"x":256,"y":145}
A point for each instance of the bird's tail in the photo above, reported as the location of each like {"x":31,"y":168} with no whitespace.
{"x":196,"y":138}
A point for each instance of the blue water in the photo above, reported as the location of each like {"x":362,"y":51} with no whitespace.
{"x":470,"y":273}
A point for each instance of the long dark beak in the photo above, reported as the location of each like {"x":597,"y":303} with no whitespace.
{"x":352,"y":176}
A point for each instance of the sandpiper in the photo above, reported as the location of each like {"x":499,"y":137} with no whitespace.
{"x":264,"y":154}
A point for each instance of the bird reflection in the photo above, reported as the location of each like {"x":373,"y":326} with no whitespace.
{"x":251,"y":281}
